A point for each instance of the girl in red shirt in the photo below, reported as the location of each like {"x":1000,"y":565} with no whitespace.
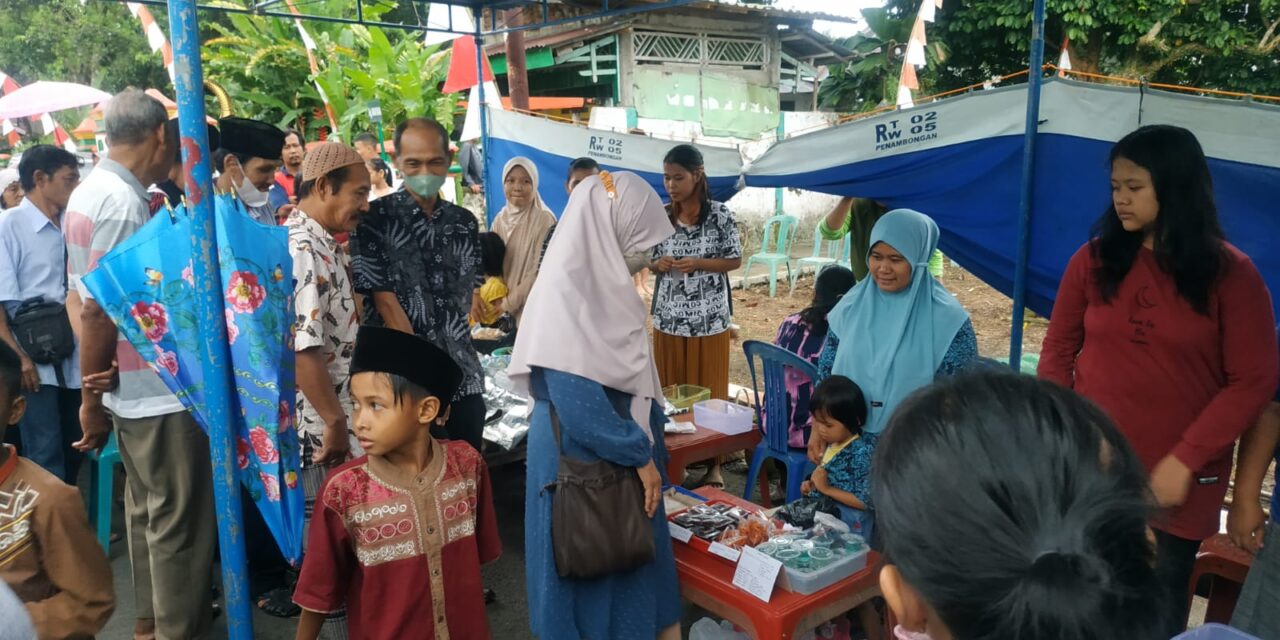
{"x":1170,"y":330}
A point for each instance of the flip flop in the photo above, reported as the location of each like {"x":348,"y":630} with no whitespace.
{"x":713,"y":484}
{"x":279,"y":603}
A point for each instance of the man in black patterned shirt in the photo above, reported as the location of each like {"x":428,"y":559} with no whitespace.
{"x":417,"y":258}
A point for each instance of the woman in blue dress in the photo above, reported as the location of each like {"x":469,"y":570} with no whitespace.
{"x":584,"y":350}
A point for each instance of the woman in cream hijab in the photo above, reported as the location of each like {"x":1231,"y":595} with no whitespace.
{"x":522,"y":224}
{"x":583,"y":352}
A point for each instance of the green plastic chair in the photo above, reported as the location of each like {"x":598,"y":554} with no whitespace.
{"x":837,"y":254}
{"x":779,"y":236}
{"x":102,"y":489}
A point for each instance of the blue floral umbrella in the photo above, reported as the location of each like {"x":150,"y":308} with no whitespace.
{"x":147,"y":287}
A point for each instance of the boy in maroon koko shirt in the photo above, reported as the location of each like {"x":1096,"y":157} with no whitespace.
{"x":399,"y":535}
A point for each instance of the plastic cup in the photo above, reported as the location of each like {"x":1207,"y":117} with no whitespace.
{"x":822,"y":543}
{"x":804,"y":562}
{"x":821,"y":557}
{"x":788,"y":557}
{"x":768,"y":548}
{"x":852,"y":543}
{"x":803,"y":545}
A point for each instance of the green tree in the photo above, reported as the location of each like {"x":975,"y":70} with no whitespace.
{"x":94,"y":43}
{"x":870,"y":80}
{"x":1218,"y":44}
{"x":263,"y":64}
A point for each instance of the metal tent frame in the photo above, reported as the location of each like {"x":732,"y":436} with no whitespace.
{"x":184,"y":35}
{"x":189,"y":89}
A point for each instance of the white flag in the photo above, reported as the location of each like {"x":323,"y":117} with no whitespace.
{"x":447,"y":18}
{"x":904,"y":98}
{"x":46,"y":124}
{"x":1064,"y":60}
{"x":928,"y":11}
{"x":492,"y":97}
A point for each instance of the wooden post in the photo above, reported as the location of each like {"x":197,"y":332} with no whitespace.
{"x":517,"y":69}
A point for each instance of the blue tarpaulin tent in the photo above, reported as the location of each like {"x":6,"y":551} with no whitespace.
{"x":960,"y":161}
{"x":553,"y":145}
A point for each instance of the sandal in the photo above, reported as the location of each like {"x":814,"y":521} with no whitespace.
{"x":279,"y":603}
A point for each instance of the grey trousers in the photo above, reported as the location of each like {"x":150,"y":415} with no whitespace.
{"x":171,"y":527}
{"x":1258,"y":609}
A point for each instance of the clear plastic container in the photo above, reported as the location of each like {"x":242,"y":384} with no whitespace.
{"x":725,"y":417}
{"x":684,"y":396}
{"x":816,"y":579}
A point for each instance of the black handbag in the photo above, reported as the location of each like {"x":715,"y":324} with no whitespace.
{"x":43,"y":331}
{"x":598,"y":523}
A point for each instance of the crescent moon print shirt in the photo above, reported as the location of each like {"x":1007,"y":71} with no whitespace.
{"x":1175,"y":381}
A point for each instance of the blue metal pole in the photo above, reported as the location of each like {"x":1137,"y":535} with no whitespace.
{"x":189,"y":86}
{"x":1028,"y":186}
{"x":484,"y":123}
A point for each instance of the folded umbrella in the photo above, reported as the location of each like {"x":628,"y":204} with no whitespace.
{"x":146,"y":285}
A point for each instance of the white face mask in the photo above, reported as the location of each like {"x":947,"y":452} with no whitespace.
{"x":250,"y":195}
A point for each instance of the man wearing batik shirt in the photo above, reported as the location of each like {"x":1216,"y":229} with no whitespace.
{"x":400,"y":534}
{"x":418,"y":259}
{"x":324,"y":305}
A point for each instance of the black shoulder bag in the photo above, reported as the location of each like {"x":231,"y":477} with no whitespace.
{"x":43,"y":331}
{"x":598,"y":523}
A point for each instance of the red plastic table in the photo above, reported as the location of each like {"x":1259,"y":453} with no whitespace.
{"x":686,"y":449}
{"x":707,"y":581}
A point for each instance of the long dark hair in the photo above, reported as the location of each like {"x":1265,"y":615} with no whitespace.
{"x":1188,"y":238}
{"x":832,"y":283}
{"x":687,"y":157}
{"x":1018,"y":510}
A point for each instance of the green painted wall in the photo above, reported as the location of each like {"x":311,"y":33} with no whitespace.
{"x":724,"y":104}
{"x":534,"y":59}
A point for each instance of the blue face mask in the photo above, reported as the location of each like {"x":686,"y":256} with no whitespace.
{"x":424,"y":186}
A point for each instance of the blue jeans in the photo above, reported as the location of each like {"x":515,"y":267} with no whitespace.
{"x":49,"y":428}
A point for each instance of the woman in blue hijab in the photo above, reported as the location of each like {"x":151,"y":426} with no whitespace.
{"x":899,"y":329}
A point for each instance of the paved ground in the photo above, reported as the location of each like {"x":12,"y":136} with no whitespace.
{"x":508,"y":618}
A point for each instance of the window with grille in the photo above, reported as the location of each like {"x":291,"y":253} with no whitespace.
{"x":656,"y":47}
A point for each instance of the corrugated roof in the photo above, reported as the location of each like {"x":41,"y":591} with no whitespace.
{"x":747,"y":6}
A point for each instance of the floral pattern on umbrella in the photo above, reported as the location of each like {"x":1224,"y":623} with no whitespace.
{"x":155,"y":312}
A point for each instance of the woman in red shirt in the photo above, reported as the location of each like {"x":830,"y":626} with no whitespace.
{"x":1168,"y":328}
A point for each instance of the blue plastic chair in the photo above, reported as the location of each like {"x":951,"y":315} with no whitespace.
{"x":776,"y":419}
{"x":775,"y":250}
{"x":102,"y":489}
{"x":837,"y":253}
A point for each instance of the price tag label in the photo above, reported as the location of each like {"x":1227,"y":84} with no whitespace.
{"x":679,"y":533}
{"x":725,"y":552}
{"x":756,"y":573}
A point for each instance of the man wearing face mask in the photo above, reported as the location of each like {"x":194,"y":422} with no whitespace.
{"x":247,"y":163}
{"x":417,"y":258}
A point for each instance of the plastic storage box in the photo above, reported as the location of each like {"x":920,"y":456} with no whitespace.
{"x":725,"y":417}
{"x":684,"y":396}
{"x":1215,"y":631}
{"x":807,"y":582}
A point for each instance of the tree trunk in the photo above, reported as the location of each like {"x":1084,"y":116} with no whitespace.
{"x":517,"y":69}
{"x":1089,"y":58}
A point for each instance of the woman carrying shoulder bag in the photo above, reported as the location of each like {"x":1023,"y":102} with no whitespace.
{"x":595,"y":391}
